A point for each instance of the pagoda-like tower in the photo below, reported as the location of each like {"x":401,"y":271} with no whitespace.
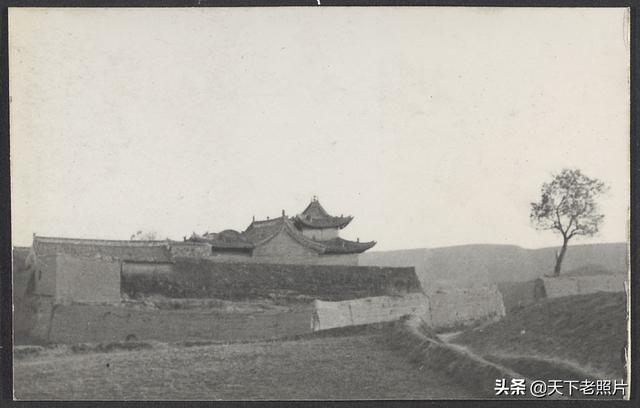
{"x":311,"y":237}
{"x":315,"y":223}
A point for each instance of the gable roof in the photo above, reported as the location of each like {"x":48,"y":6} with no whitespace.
{"x":131,"y":251}
{"x":260,"y":231}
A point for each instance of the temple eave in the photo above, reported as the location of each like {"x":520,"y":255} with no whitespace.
{"x":343,"y":246}
{"x":320,"y":223}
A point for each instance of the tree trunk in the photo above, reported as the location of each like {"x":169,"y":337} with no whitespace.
{"x":560,"y":257}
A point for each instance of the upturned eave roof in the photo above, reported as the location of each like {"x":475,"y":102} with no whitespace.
{"x":326,"y":222}
{"x":315,"y":216}
{"x":343,"y":246}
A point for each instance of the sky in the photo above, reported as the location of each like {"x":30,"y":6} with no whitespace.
{"x":431,"y":126}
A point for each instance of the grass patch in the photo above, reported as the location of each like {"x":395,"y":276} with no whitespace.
{"x":109,"y":347}
{"x":585,"y":331}
{"x":21,"y":352}
{"x":423,"y":348}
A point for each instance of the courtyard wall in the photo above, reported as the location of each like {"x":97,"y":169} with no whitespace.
{"x":237,"y":281}
{"x":581,"y":285}
{"x":87,"y":280}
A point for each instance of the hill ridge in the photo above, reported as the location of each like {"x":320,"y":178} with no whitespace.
{"x":472,"y":264}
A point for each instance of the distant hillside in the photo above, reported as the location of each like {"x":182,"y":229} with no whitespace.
{"x":481,"y":264}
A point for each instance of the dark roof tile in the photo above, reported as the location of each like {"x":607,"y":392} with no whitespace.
{"x":343,"y":246}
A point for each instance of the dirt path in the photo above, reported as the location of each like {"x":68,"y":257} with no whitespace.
{"x":358,"y":367}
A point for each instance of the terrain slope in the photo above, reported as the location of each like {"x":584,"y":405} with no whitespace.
{"x":584,"y":332}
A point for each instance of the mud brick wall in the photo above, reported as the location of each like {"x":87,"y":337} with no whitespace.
{"x":458,"y":307}
{"x":444,"y":309}
{"x":189,"y":249}
{"x":329,"y":315}
{"x":32,"y":318}
{"x":516,"y":295}
{"x":19,"y":258}
{"x":104,"y":323}
{"x":568,"y":286}
{"x":601,"y":283}
{"x":87,"y":280}
{"x":237,"y":281}
{"x":45,"y":274}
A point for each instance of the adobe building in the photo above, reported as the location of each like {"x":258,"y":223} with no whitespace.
{"x":89,"y":270}
{"x":311,"y":237}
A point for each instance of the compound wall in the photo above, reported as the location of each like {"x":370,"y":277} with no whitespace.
{"x":442,"y":310}
{"x":102,"y":323}
{"x":458,"y":307}
{"x":329,"y":315}
{"x":87,"y":280}
{"x":190,"y":249}
{"x":516,"y":295}
{"x":32,"y":318}
{"x":235,"y":281}
{"x":45,"y":274}
{"x":581,"y":285}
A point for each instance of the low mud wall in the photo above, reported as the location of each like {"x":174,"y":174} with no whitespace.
{"x":329,"y":315}
{"x":67,"y":324}
{"x":238,"y":281}
{"x":444,"y":309}
{"x":458,"y":307}
{"x":582,"y":285}
{"x":516,"y":295}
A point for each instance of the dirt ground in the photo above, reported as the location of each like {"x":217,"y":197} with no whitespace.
{"x":354,"y":367}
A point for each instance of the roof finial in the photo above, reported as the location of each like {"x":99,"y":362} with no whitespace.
{"x":283,"y":213}
{"x":253,"y":219}
{"x":315,"y":198}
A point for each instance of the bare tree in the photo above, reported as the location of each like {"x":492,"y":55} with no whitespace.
{"x":144,"y":236}
{"x":568,"y":206}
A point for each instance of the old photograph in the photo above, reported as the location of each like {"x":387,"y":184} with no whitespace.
{"x":320,"y":203}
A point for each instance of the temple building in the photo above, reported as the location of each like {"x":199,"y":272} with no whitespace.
{"x":311,"y":237}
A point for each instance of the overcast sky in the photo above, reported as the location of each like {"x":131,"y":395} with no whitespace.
{"x":432,"y":126}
